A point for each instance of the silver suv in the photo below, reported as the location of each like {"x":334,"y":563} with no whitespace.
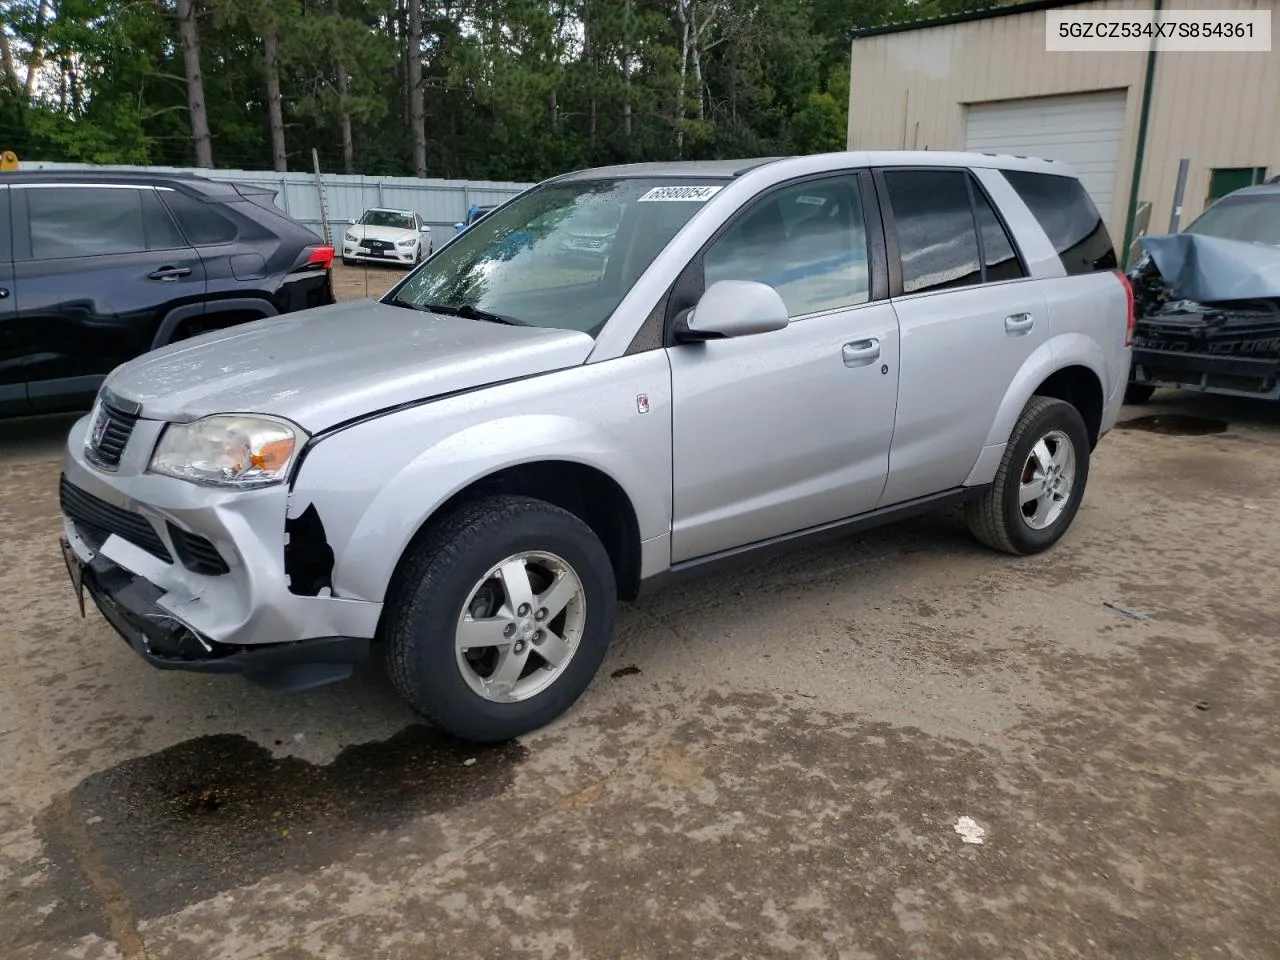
{"x":471,"y":472}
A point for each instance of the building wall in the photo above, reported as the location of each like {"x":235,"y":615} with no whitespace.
{"x":908,"y":91}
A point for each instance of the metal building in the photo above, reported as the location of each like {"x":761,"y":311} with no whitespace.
{"x":984,"y":81}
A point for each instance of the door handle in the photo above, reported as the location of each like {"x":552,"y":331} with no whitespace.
{"x":169,"y":273}
{"x":860,"y":352}
{"x":1018,"y":323}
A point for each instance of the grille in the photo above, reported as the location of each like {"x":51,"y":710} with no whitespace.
{"x":196,"y":553}
{"x":108,"y":435}
{"x":100,"y":519}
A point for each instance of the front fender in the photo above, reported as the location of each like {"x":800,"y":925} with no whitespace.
{"x":374,"y":485}
{"x":1056,"y":353}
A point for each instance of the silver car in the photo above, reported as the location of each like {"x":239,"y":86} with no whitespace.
{"x":468,"y":474}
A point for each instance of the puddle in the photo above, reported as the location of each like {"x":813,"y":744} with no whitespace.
{"x":179,"y":826}
{"x":1175,"y":425}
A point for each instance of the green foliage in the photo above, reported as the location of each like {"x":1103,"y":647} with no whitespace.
{"x":515,"y":89}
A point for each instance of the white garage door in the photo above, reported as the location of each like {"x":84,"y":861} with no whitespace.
{"x":1082,"y":130}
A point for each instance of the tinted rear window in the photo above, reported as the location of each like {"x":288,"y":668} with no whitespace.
{"x":200,"y":221}
{"x":1068,"y":217}
{"x":937,"y":238}
{"x":1000,"y":260}
{"x":86,"y":221}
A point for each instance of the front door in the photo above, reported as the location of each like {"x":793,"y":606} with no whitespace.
{"x":96,"y":269}
{"x":779,"y":432}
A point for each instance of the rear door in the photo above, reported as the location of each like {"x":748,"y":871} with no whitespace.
{"x":96,"y":268}
{"x":13,"y":384}
{"x":969,"y":315}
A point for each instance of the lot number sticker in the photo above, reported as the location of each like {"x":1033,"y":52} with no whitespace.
{"x":696,"y":194}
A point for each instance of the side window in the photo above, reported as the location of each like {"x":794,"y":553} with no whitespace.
{"x":937,"y":239}
{"x":85,"y":221}
{"x":1068,"y":217}
{"x":807,"y":241}
{"x":202,"y":224}
{"x":162,"y":232}
{"x":999,"y":260}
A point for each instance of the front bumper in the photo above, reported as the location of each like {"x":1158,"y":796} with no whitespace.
{"x":1207,"y":372}
{"x":129,"y":604}
{"x":403,"y":256}
{"x":175,"y":607}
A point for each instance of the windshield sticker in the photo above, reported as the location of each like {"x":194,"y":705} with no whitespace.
{"x":812,"y":201}
{"x":696,"y":194}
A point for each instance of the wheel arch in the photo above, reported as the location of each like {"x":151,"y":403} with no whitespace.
{"x":1071,"y":368}
{"x":1079,"y":386}
{"x":585,"y":491}
{"x":174,"y":319}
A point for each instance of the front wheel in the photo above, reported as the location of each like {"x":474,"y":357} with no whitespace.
{"x":1040,"y":482}
{"x":499,"y":618}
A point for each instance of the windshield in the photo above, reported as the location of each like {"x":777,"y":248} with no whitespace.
{"x":387,"y":218}
{"x":524,"y":263}
{"x":1254,"y":219}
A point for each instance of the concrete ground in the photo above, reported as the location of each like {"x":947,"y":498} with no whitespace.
{"x":770,"y":764}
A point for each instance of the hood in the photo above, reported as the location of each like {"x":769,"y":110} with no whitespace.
{"x":321,"y":367}
{"x":1214,"y":270}
{"x":364,"y":231}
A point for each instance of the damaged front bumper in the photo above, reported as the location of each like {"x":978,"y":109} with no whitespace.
{"x":1208,"y":316}
{"x":194,"y":577}
{"x":1231,"y":350}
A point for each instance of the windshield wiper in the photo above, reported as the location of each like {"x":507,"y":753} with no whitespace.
{"x":466,"y":311}
{"x":469,"y":312}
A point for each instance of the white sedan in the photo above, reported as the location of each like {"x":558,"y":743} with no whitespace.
{"x":387,"y":236}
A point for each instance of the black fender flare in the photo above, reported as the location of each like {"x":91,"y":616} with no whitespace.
{"x":208,"y":308}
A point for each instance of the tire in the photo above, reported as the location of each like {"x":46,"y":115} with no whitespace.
{"x":998,"y":519}
{"x":348,"y":262}
{"x":447,"y":570}
{"x":1138,"y":393}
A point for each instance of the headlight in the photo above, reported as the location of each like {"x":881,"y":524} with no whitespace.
{"x":350,"y":237}
{"x":407,"y":243}
{"x":228,"y":450}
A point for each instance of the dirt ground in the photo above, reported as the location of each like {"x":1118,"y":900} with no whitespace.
{"x":770,"y":764}
{"x":364,"y":280}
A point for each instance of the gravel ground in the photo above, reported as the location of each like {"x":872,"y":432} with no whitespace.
{"x":771,"y":764}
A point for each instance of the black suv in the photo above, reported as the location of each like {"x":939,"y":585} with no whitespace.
{"x":97,"y":268}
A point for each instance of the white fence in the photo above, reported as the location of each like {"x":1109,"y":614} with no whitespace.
{"x":442,"y":203}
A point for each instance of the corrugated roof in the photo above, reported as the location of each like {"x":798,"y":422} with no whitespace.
{"x":985,"y":14}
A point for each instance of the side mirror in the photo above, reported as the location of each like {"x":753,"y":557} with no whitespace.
{"x":425,"y":229}
{"x":733,"y":308}
{"x":352,"y":221}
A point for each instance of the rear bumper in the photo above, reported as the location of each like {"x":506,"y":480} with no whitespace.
{"x":1207,"y":372}
{"x":129,"y":603}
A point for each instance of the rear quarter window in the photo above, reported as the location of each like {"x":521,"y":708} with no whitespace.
{"x":200,"y":221}
{"x":1069,"y":219}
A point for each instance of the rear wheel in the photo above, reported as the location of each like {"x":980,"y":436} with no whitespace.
{"x":499,"y":618}
{"x":1136,"y":393}
{"x":1040,"y":482}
